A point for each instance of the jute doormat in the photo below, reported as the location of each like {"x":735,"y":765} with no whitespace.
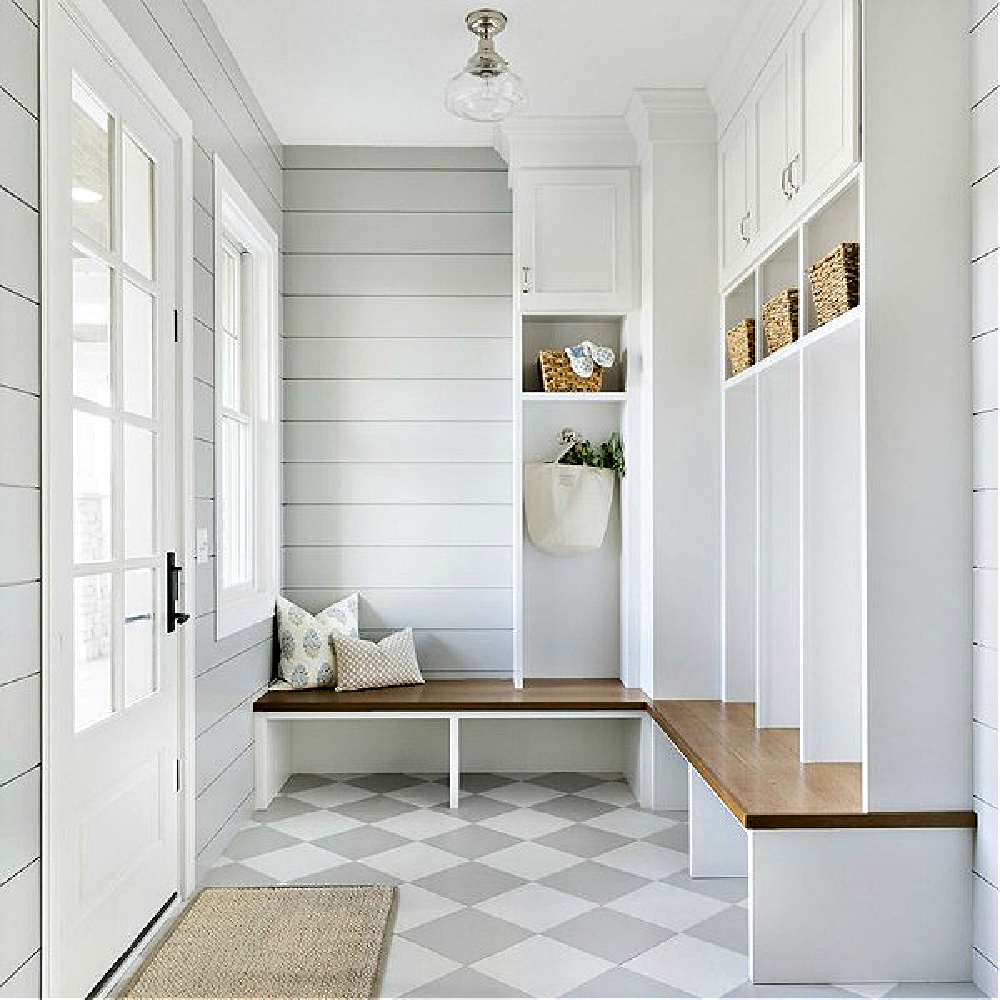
{"x":274,"y":942}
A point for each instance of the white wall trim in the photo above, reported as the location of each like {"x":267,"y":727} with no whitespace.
{"x":670,"y":114}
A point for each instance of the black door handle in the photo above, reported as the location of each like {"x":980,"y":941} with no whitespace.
{"x":174,"y":617}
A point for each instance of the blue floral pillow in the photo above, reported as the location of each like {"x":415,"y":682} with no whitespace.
{"x":305,"y":641}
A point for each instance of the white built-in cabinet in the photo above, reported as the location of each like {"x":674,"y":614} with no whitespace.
{"x":574,"y":248}
{"x":795,"y":134}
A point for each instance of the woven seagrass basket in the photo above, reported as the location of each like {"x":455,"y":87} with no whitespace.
{"x":781,"y":319}
{"x":836,"y":282}
{"x":558,"y":374}
{"x":740,"y":341}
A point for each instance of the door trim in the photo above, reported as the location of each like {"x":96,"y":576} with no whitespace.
{"x":115,"y":44}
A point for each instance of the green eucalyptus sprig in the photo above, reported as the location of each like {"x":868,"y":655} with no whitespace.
{"x":610,"y":455}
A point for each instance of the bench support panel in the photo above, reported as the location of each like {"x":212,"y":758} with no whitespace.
{"x":454,"y":761}
{"x":717,"y":842}
{"x":860,"y":905}
{"x":272,"y":757}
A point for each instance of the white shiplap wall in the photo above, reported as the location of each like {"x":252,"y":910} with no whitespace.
{"x":985,"y":561}
{"x":397,"y":402}
{"x":20,"y":539}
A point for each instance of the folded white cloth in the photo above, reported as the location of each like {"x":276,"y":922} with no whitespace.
{"x":585,"y":355}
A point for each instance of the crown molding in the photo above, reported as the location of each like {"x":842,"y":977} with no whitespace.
{"x":671,"y":115}
{"x":565,"y":141}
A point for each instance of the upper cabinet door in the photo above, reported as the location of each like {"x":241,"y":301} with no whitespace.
{"x":575,"y":241}
{"x":737,"y":219}
{"x":826,"y":119}
{"x":773,"y":108}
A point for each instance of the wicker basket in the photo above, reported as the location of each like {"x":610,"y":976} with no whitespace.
{"x":740,"y":341}
{"x":836,"y":282}
{"x":558,"y":374}
{"x":780,"y":316}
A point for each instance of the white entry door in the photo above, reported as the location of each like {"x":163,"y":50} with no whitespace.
{"x":112,"y":712}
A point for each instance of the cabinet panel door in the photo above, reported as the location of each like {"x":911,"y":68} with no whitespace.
{"x":734,"y":160}
{"x":773,"y":107}
{"x":576,"y":241}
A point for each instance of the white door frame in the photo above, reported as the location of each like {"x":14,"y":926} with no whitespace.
{"x":111,"y":39}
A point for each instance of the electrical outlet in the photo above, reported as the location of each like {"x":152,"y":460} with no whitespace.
{"x":201,"y":545}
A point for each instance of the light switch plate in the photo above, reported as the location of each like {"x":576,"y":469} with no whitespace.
{"x":201,"y":545}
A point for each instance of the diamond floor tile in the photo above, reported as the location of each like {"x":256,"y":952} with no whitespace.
{"x":542,"y":967}
{"x":535,"y":907}
{"x":468,"y":935}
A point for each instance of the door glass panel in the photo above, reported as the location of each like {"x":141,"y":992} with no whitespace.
{"x":92,"y":459}
{"x":92,"y":330}
{"x":137,"y":350}
{"x":140,"y":635}
{"x":91,"y":194}
{"x":139,"y":487}
{"x":93,"y":695}
{"x":137,"y":207}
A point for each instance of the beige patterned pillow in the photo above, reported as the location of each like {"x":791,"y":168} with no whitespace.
{"x":390,"y":663}
{"x":305,"y":641}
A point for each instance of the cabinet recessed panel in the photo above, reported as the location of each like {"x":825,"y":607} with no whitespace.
{"x":575,"y":238}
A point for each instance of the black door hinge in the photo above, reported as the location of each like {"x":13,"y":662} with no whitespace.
{"x":178,"y":773}
{"x":177,"y":327}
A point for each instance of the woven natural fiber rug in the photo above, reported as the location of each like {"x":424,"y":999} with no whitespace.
{"x":275,"y":942}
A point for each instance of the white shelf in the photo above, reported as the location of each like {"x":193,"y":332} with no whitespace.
{"x":834,"y":327}
{"x":574,"y":397}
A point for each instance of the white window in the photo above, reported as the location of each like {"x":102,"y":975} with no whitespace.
{"x":246,"y":409}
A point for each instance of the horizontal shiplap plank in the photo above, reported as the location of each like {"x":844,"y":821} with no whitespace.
{"x":219,"y":691}
{"x":401,"y":232}
{"x":984,"y":137}
{"x":19,"y":242}
{"x":204,"y":520}
{"x":985,"y":372}
{"x":222,"y":744}
{"x":984,"y":454}
{"x":209,"y":651}
{"x":204,"y":295}
{"x":393,"y":158}
{"x":986,"y":842}
{"x":415,"y":316}
{"x":398,"y":566}
{"x":21,"y":725}
{"x":378,"y":358}
{"x":984,"y":216}
{"x":204,"y":587}
{"x":204,"y":470}
{"x":984,"y":686}
{"x":214,"y":848}
{"x":204,"y":178}
{"x":984,"y":763}
{"x":460,"y":652}
{"x":204,"y":237}
{"x":20,"y":631}
{"x":396,"y":191}
{"x":221,"y":799}
{"x":20,"y":823}
{"x":419,"y":607}
{"x":984,"y":529}
{"x":26,"y":981}
{"x":983,"y":76}
{"x":978,"y":9}
{"x":984,"y":294}
{"x":20,"y":453}
{"x":984,"y":607}
{"x":20,"y":340}
{"x":442,"y":483}
{"x":19,"y":141}
{"x":984,"y":918}
{"x":396,"y":399}
{"x":398,"y":524}
{"x":30,"y":8}
{"x":20,"y":917}
{"x":204,"y":353}
{"x":204,"y":411}
{"x":397,"y":441}
{"x":20,"y":535}
{"x":19,"y":65}
{"x":398,"y":274}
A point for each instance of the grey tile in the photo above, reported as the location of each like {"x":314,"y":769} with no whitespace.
{"x":951,"y":991}
{"x":675,"y":837}
{"x":609,"y":934}
{"x":583,"y":841}
{"x":384,"y":782}
{"x":804,"y":991}
{"x":566,"y":781}
{"x":374,"y":809}
{"x":727,"y":929}
{"x":351,"y":873}
{"x":596,"y":882}
{"x":477,"y":807}
{"x":680,"y":815}
{"x":728,"y":890}
{"x":465,"y":983}
{"x":303,"y":782}
{"x":624,"y":983}
{"x":235,"y":874}
{"x":574,"y":807}
{"x":470,"y":883}
{"x":361,"y":842}
{"x":467,"y":935}
{"x":283,"y":807}
{"x":257,"y":840}
{"x":472,"y":841}
{"x":479,"y":781}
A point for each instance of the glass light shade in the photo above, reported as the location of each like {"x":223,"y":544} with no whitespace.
{"x":485,"y":98}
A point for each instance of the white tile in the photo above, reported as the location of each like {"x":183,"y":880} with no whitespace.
{"x":423,"y":796}
{"x":985,"y":372}
{"x":612,"y":793}
{"x":536,"y":907}
{"x":421,"y":824}
{"x":332,"y":796}
{"x":316,"y":824}
{"x":668,"y":906}
{"x":530,"y":860}
{"x":693,"y":966}
{"x":874,"y":991}
{"x":631,"y":823}
{"x":985,"y":522}
{"x":541,"y":967}
{"x":408,"y":967}
{"x":412,"y":861}
{"x":526,"y":824}
{"x":523,"y":794}
{"x":417,"y":906}
{"x":290,"y":863}
{"x":647,"y":860}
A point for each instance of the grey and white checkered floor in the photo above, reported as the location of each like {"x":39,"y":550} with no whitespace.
{"x":543,"y":885}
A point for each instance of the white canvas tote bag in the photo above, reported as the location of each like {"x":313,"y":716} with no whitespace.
{"x":566,"y":507}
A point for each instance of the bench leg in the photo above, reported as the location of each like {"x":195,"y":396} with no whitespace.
{"x":454,"y":762}
{"x":717,"y":841}
{"x":272,"y":758}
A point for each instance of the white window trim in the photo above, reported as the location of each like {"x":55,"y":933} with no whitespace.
{"x":239,"y":608}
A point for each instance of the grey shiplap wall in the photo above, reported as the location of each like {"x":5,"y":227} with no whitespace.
{"x":183,"y":44}
{"x":397,"y":395}
{"x":985,"y":563}
{"x":20,"y":539}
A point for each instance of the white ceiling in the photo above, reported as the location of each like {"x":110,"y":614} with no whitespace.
{"x":374,"y":71}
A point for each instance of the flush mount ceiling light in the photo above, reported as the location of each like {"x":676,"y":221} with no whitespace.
{"x":486,"y":90}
